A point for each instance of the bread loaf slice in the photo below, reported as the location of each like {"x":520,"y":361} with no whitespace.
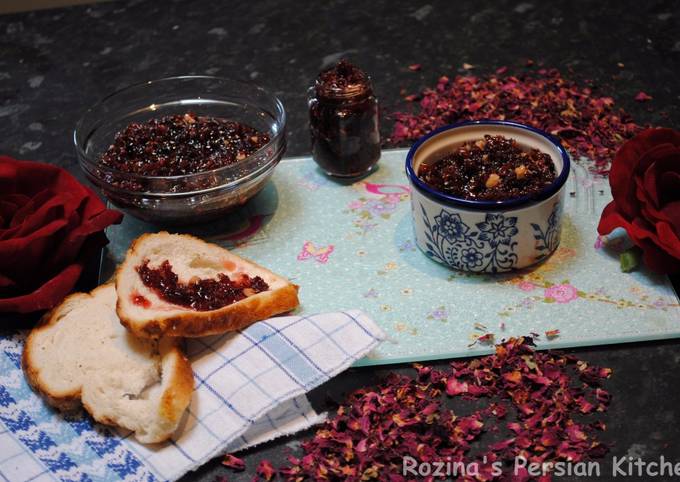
{"x":148,"y":312}
{"x":80,"y":352}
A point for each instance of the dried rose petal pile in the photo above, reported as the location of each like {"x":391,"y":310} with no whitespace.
{"x":588,"y":125}
{"x":537,"y":404}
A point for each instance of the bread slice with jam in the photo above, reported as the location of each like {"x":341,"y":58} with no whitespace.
{"x":179,"y":285}
{"x":80,"y":353}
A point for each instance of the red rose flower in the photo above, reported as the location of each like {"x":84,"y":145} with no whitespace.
{"x":645,"y":182}
{"x":49,"y":224}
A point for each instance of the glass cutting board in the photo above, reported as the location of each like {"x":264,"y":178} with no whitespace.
{"x":351,"y":246}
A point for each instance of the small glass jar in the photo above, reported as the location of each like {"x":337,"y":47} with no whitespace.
{"x":343,"y":120}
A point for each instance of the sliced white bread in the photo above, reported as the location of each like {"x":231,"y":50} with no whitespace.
{"x":80,"y":352}
{"x":193,"y":259}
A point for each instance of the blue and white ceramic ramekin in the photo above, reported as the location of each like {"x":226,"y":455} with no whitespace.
{"x":486,"y":236}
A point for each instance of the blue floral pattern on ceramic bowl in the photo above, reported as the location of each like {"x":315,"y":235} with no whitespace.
{"x":486,"y":236}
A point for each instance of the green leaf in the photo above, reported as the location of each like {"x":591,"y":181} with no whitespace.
{"x":630,"y":259}
{"x":548,"y":300}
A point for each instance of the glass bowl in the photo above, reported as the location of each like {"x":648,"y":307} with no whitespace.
{"x":190,"y":198}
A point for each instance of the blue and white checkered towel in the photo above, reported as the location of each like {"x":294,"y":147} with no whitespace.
{"x":249,"y":387}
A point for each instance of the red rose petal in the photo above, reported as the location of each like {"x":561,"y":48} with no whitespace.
{"x":9,"y":205}
{"x":46,"y":296}
{"x":642,"y":97}
{"x":513,"y":377}
{"x":661,"y":180}
{"x":644,"y":236}
{"x":667,"y":239}
{"x":671,"y":212}
{"x":454,"y":387}
{"x":620,"y":175}
{"x":6,"y":282}
{"x":31,"y":250}
{"x":75,"y":239}
{"x":34,"y":215}
{"x":549,"y":438}
{"x":233,"y":462}
{"x":265,"y":470}
{"x":611,"y":219}
{"x":658,"y":260}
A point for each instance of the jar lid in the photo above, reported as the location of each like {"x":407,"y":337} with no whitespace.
{"x":343,"y":81}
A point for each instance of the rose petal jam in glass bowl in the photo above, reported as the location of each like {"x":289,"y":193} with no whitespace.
{"x":182,"y":150}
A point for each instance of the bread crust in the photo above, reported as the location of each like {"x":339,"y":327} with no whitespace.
{"x":177,"y":396}
{"x":204,"y":323}
{"x":174,"y":399}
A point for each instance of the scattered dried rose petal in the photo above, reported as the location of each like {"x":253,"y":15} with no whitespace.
{"x":588,"y":125}
{"x":484,"y":339}
{"x":234,"y":462}
{"x":643,"y":97}
{"x":454,"y":387}
{"x":552,"y":334}
{"x":546,"y":395}
{"x":414,"y":67}
{"x":467,"y":66}
{"x":266,"y":470}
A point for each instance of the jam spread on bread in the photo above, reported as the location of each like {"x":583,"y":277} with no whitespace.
{"x":199,"y":294}
{"x":140,"y":300}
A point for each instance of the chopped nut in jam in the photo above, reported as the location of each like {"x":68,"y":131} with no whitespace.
{"x":492,"y":180}
{"x":493,"y":168}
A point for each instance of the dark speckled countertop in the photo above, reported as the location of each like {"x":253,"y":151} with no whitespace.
{"x":55,"y":63}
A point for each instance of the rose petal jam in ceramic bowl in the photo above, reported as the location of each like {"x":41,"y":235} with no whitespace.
{"x":487,"y":196}
{"x":182,"y":150}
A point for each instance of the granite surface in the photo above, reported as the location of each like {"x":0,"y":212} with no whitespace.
{"x":55,"y":63}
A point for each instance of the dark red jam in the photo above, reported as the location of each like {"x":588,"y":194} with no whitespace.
{"x":181,"y":144}
{"x":140,"y":300}
{"x":490,"y":169}
{"x":343,"y":120}
{"x":200,"y":294}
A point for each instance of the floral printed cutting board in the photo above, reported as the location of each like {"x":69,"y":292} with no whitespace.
{"x":351,"y":246}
